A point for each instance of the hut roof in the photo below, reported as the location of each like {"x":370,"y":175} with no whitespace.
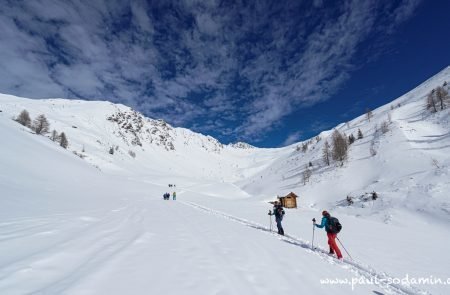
{"x":291,"y":194}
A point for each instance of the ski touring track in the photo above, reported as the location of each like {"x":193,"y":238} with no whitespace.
{"x":363,"y":271}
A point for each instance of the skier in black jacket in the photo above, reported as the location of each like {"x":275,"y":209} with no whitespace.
{"x":278,"y":211}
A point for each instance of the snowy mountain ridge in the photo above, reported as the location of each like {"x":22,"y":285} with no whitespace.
{"x":132,"y":126}
{"x":93,"y":128}
{"x":241,"y":145}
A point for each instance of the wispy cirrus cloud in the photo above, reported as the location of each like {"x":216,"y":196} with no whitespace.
{"x":404,"y":11}
{"x":235,"y":68}
{"x":292,"y":138}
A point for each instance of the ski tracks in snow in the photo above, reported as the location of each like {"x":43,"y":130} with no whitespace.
{"x":364,"y":271}
{"x":78,"y":246}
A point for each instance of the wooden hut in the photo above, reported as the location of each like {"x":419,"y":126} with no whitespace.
{"x":289,"y":201}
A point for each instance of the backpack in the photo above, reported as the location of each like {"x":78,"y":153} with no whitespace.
{"x":279,"y":212}
{"x":333,"y":225}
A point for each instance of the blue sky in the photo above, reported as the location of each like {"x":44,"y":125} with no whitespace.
{"x":266,"y":72}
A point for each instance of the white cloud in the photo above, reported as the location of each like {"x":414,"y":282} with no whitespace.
{"x":141,"y":19}
{"x":292,"y":138}
{"x":405,"y":10}
{"x":206,"y":24}
{"x":253,"y":63}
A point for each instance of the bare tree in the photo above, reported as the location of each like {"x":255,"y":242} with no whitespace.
{"x":54,"y":136}
{"x":369,"y":114}
{"x":442,"y":96}
{"x":41,"y":125}
{"x":306,"y":174}
{"x":304,"y":147}
{"x":63,"y":140}
{"x":373,"y":151}
{"x":431,"y":103}
{"x":24,"y":118}
{"x":384,"y":127}
{"x":376,"y":129}
{"x":326,"y":153}
{"x":340,"y":147}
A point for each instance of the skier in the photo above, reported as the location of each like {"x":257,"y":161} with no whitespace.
{"x":331,"y":233}
{"x":279,"y":213}
{"x":174,"y":195}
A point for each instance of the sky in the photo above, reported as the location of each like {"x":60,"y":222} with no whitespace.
{"x":270,"y":73}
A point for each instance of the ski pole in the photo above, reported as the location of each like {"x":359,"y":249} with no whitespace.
{"x":344,"y":248}
{"x":270,"y":218}
{"x":270,"y":223}
{"x":314,"y":228}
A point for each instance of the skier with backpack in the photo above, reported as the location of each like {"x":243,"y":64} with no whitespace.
{"x":278,"y":211}
{"x":332,"y":227}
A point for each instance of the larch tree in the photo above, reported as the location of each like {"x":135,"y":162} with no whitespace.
{"x":41,"y":125}
{"x":326,"y":153}
{"x":340,"y":147}
{"x":369,"y":114}
{"x":24,"y":118}
{"x":431,"y":102}
{"x":54,"y":136}
{"x":442,"y":96}
{"x":63,"y":140}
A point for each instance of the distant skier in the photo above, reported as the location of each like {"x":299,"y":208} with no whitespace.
{"x":278,"y":211}
{"x":174,"y":196}
{"x":332,"y":227}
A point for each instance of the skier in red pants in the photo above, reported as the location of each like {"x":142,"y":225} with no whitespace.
{"x":331,"y":233}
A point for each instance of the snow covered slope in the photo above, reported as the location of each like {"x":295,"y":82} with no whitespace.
{"x":85,"y":221}
{"x":142,"y":146}
{"x":408,"y":166}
